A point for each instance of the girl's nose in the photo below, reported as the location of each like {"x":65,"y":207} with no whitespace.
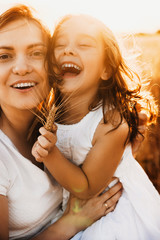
{"x":69,"y":51}
{"x":22,"y":66}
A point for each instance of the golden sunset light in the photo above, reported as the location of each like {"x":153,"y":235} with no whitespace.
{"x":138,"y":22}
{"x":119,"y":15}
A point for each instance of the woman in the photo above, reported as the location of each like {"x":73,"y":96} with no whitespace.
{"x":29,"y":198}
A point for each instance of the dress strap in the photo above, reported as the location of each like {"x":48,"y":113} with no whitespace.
{"x":92,"y":120}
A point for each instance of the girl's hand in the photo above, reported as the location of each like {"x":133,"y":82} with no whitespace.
{"x":44,"y":144}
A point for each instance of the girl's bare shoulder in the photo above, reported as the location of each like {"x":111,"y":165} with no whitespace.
{"x":114,"y":126}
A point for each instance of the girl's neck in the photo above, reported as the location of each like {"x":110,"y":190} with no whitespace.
{"x":75,"y":109}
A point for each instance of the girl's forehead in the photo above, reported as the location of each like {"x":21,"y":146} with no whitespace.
{"x":80,"y":25}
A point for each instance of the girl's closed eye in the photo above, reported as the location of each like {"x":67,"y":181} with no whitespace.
{"x":87,"y":43}
{"x":59,"y":45}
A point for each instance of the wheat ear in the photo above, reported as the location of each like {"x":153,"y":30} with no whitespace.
{"x":50,"y":118}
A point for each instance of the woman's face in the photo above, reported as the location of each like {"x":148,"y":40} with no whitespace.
{"x":23,"y":74}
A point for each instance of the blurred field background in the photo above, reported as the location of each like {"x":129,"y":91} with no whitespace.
{"x":149,"y":152}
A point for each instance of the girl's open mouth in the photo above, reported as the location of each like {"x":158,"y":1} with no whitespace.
{"x":70,"y":69}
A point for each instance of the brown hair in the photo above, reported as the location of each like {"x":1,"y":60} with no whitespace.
{"x":116,"y":91}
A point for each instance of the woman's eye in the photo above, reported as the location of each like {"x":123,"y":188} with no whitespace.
{"x":4,"y":57}
{"x":38,"y":54}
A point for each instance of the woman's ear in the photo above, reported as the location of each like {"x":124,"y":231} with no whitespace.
{"x":105,"y":74}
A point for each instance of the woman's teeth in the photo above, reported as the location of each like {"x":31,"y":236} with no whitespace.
{"x":24,"y":85}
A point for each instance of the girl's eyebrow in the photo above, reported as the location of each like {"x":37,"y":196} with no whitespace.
{"x":59,"y":36}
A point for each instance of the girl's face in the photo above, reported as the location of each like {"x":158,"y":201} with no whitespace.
{"x":23,"y":76}
{"x":79,"y":51}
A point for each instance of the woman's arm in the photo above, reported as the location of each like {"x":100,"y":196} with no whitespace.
{"x":4,"y":233}
{"x":79,"y":215}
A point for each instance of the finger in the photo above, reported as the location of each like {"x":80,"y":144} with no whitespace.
{"x":45,"y":143}
{"x":41,"y":151}
{"x":111,"y":192}
{"x":48,"y":135}
{"x":54,"y":129}
{"x":36,"y":155}
{"x":112,"y":202}
{"x":111,"y":209}
{"x":114,"y":199}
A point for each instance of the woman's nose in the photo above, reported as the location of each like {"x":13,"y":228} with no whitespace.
{"x":22,"y":66}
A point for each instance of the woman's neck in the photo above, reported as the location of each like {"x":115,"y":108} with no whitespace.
{"x":16,"y":121}
{"x":16,"y":126}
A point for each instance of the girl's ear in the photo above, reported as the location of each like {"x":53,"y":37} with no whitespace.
{"x":105,"y":74}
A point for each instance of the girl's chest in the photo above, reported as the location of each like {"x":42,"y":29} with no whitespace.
{"x":74,"y":143}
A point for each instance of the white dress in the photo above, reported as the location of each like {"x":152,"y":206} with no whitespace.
{"x":34,"y":198}
{"x":137,"y":214}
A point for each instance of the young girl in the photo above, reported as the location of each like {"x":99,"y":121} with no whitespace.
{"x":96,"y":124}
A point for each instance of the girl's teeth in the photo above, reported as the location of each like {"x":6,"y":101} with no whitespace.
{"x":69,"y":65}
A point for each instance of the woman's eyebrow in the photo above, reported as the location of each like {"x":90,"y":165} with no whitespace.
{"x":6,"y":47}
{"x":36,"y":45}
{"x":30,"y":46}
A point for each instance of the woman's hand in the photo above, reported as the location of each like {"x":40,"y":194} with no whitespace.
{"x":44,"y":144}
{"x":88,"y":211}
{"x":142,"y":129}
{"x":80,"y":214}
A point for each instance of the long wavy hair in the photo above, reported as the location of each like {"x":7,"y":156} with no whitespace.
{"x":123,"y":90}
{"x":22,"y":12}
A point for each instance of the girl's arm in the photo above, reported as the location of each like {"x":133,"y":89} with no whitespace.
{"x":4,"y":233}
{"x":98,"y":167}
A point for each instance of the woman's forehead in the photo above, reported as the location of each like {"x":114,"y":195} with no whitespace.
{"x":22,"y":30}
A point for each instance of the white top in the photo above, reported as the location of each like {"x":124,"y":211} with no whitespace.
{"x":137,"y":214}
{"x":33,"y":197}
